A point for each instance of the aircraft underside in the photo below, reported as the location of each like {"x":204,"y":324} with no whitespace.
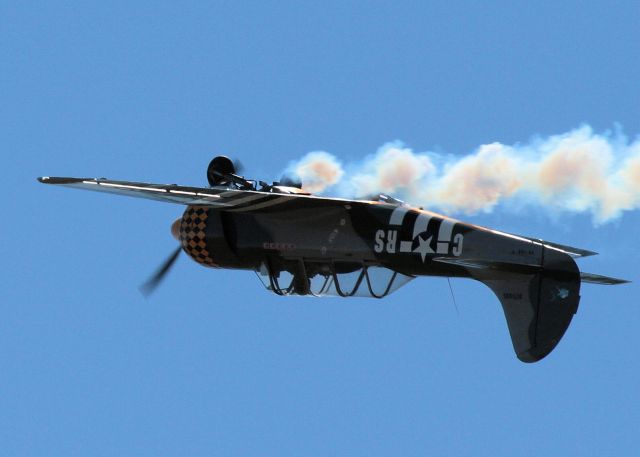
{"x":302,"y":244}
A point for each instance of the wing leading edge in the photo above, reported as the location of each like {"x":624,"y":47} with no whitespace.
{"x":171,"y":193}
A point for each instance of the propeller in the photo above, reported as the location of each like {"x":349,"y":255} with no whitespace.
{"x":154,"y":281}
{"x":223,"y":170}
{"x":238,"y":166}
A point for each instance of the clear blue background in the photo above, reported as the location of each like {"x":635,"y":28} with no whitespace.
{"x":212,"y":364}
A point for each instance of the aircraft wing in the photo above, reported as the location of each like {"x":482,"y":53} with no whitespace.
{"x":173,"y":193}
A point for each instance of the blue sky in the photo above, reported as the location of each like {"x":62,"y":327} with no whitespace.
{"x":212,"y":364}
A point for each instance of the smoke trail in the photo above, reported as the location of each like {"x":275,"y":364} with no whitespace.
{"x":317,"y":170}
{"x":578,"y":171}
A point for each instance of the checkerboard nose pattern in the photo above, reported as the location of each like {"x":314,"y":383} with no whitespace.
{"x":193,"y":235}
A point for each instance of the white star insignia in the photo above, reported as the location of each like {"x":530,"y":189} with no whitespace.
{"x":424,"y":248}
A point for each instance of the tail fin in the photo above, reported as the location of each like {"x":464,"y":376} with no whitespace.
{"x":539,"y":305}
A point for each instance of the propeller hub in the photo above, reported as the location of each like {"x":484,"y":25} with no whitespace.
{"x":175,"y":228}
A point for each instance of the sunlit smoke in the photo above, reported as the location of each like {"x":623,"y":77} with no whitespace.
{"x":578,"y":171}
{"x":317,"y":170}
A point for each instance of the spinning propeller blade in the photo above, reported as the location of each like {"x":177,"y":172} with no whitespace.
{"x":238,"y":166}
{"x":154,"y":281}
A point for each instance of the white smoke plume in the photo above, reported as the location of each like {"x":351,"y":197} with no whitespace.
{"x":317,"y":170}
{"x":578,"y":171}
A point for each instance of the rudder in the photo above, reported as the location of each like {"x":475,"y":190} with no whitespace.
{"x":539,"y":306}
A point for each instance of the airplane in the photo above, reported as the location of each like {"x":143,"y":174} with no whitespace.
{"x":303,"y":244}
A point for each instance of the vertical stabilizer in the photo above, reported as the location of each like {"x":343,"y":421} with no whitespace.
{"x":538,"y":306}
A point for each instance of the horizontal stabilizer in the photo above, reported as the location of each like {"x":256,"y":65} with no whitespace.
{"x":573,"y":252}
{"x":483,"y":264}
{"x":599,"y":279}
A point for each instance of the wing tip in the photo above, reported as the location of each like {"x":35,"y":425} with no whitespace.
{"x":60,"y":180}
